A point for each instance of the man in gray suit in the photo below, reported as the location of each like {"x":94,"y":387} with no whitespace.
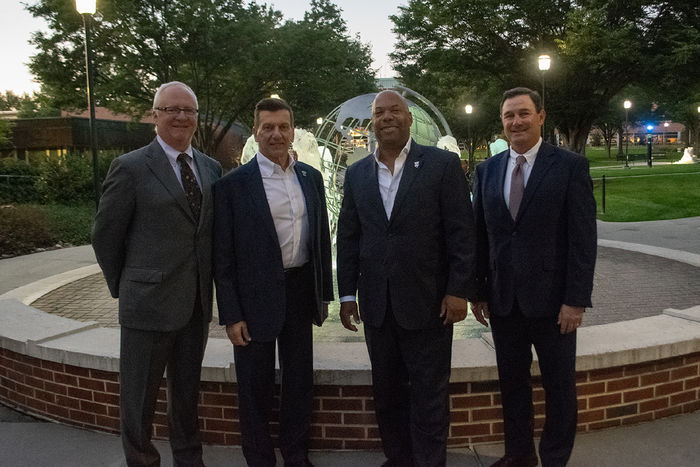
{"x":152,"y":238}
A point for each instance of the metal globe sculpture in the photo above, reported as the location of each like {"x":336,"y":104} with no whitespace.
{"x":345,"y":136}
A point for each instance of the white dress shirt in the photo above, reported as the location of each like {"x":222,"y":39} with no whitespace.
{"x":389,"y":182}
{"x":288,"y":208}
{"x":172,"y":153}
{"x":530,"y":157}
{"x":388,"y":186}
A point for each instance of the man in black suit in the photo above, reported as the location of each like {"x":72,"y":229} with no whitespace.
{"x":152,"y":239}
{"x":536,"y":231}
{"x":273,"y":280}
{"x":406,"y":244}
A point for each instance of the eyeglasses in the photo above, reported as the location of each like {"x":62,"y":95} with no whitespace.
{"x":190,"y":112}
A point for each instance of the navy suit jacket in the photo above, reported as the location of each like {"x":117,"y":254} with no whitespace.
{"x":248,"y":269}
{"x":546,"y":256}
{"x":422,"y":252}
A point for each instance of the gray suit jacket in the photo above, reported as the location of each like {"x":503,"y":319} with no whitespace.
{"x":152,"y":252}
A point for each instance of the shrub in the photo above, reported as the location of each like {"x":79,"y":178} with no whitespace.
{"x":23,"y":229}
{"x":68,"y":179}
{"x":65,"y":179}
{"x":20,"y":184}
{"x":71,"y":224}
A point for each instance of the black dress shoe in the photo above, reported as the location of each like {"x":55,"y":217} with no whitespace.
{"x":529,"y":460}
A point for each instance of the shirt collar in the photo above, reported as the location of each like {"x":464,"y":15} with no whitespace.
{"x":530,"y":155}
{"x":171,"y":152}
{"x":402,"y":155}
{"x":267,"y":167}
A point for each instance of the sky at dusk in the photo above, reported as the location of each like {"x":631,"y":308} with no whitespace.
{"x":368,"y":18}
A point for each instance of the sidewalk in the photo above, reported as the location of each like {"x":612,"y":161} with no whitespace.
{"x":25,"y":441}
{"x":666,"y":442}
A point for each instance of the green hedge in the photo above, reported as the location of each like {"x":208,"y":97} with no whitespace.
{"x":23,"y":229}
{"x":26,"y":227}
{"x":64,"y":179}
{"x":18,"y":182}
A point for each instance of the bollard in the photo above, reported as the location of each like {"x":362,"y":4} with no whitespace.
{"x":603,"y":194}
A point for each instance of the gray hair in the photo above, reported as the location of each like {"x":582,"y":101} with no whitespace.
{"x":174,"y":83}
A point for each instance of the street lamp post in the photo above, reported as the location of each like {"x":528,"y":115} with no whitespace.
{"x":87,"y":8}
{"x":627,"y":105}
{"x":543,"y":63}
{"x":468,"y":109}
{"x":650,"y":139}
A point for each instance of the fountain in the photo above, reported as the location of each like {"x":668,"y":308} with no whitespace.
{"x":688,"y":157}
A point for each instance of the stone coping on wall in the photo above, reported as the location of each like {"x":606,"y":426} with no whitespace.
{"x":31,"y":332}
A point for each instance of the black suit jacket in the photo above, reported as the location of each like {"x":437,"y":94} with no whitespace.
{"x":152,"y":251}
{"x":248,"y":269}
{"x":546,"y":256}
{"x":424,"y":251}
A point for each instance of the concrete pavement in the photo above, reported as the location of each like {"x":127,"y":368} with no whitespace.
{"x":25,"y":442}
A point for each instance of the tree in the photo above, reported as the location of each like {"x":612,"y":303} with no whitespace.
{"x":5,"y":132}
{"x":231,"y":52}
{"x":675,"y":84}
{"x":315,"y":79}
{"x":10,"y":101}
{"x":598,"y":47}
{"x":214,"y":46}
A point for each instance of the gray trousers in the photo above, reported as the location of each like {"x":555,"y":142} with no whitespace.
{"x":144,"y":356}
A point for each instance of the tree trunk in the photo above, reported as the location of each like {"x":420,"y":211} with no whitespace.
{"x":619,"y":140}
{"x":575,"y":138}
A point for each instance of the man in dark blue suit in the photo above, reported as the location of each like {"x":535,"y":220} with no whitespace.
{"x":536,"y":237}
{"x":406,"y":244}
{"x":273,"y":276}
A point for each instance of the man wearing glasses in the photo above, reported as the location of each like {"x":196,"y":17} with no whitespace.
{"x":152,"y":238}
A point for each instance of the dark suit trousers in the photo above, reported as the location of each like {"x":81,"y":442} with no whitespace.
{"x":144,"y":356}
{"x":255,"y":370}
{"x":513,"y":336}
{"x":410,"y":382}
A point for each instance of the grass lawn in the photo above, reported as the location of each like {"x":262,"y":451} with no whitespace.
{"x":642,"y":193}
{"x":598,"y":156}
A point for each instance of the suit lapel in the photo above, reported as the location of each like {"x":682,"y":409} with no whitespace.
{"x":205,"y":179}
{"x":370,"y":186}
{"x":543,"y":162}
{"x":309,"y":191}
{"x":501,"y":169}
{"x":256,"y":190}
{"x":411,"y":168}
{"x":160,"y":166}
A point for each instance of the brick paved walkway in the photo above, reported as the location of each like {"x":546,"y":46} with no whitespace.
{"x":628,"y":285}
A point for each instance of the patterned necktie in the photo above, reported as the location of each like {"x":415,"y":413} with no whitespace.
{"x":517,"y":186}
{"x":189,"y":183}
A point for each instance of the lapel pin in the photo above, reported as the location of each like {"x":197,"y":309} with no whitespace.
{"x":303,"y":173}
{"x":416,"y":164}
